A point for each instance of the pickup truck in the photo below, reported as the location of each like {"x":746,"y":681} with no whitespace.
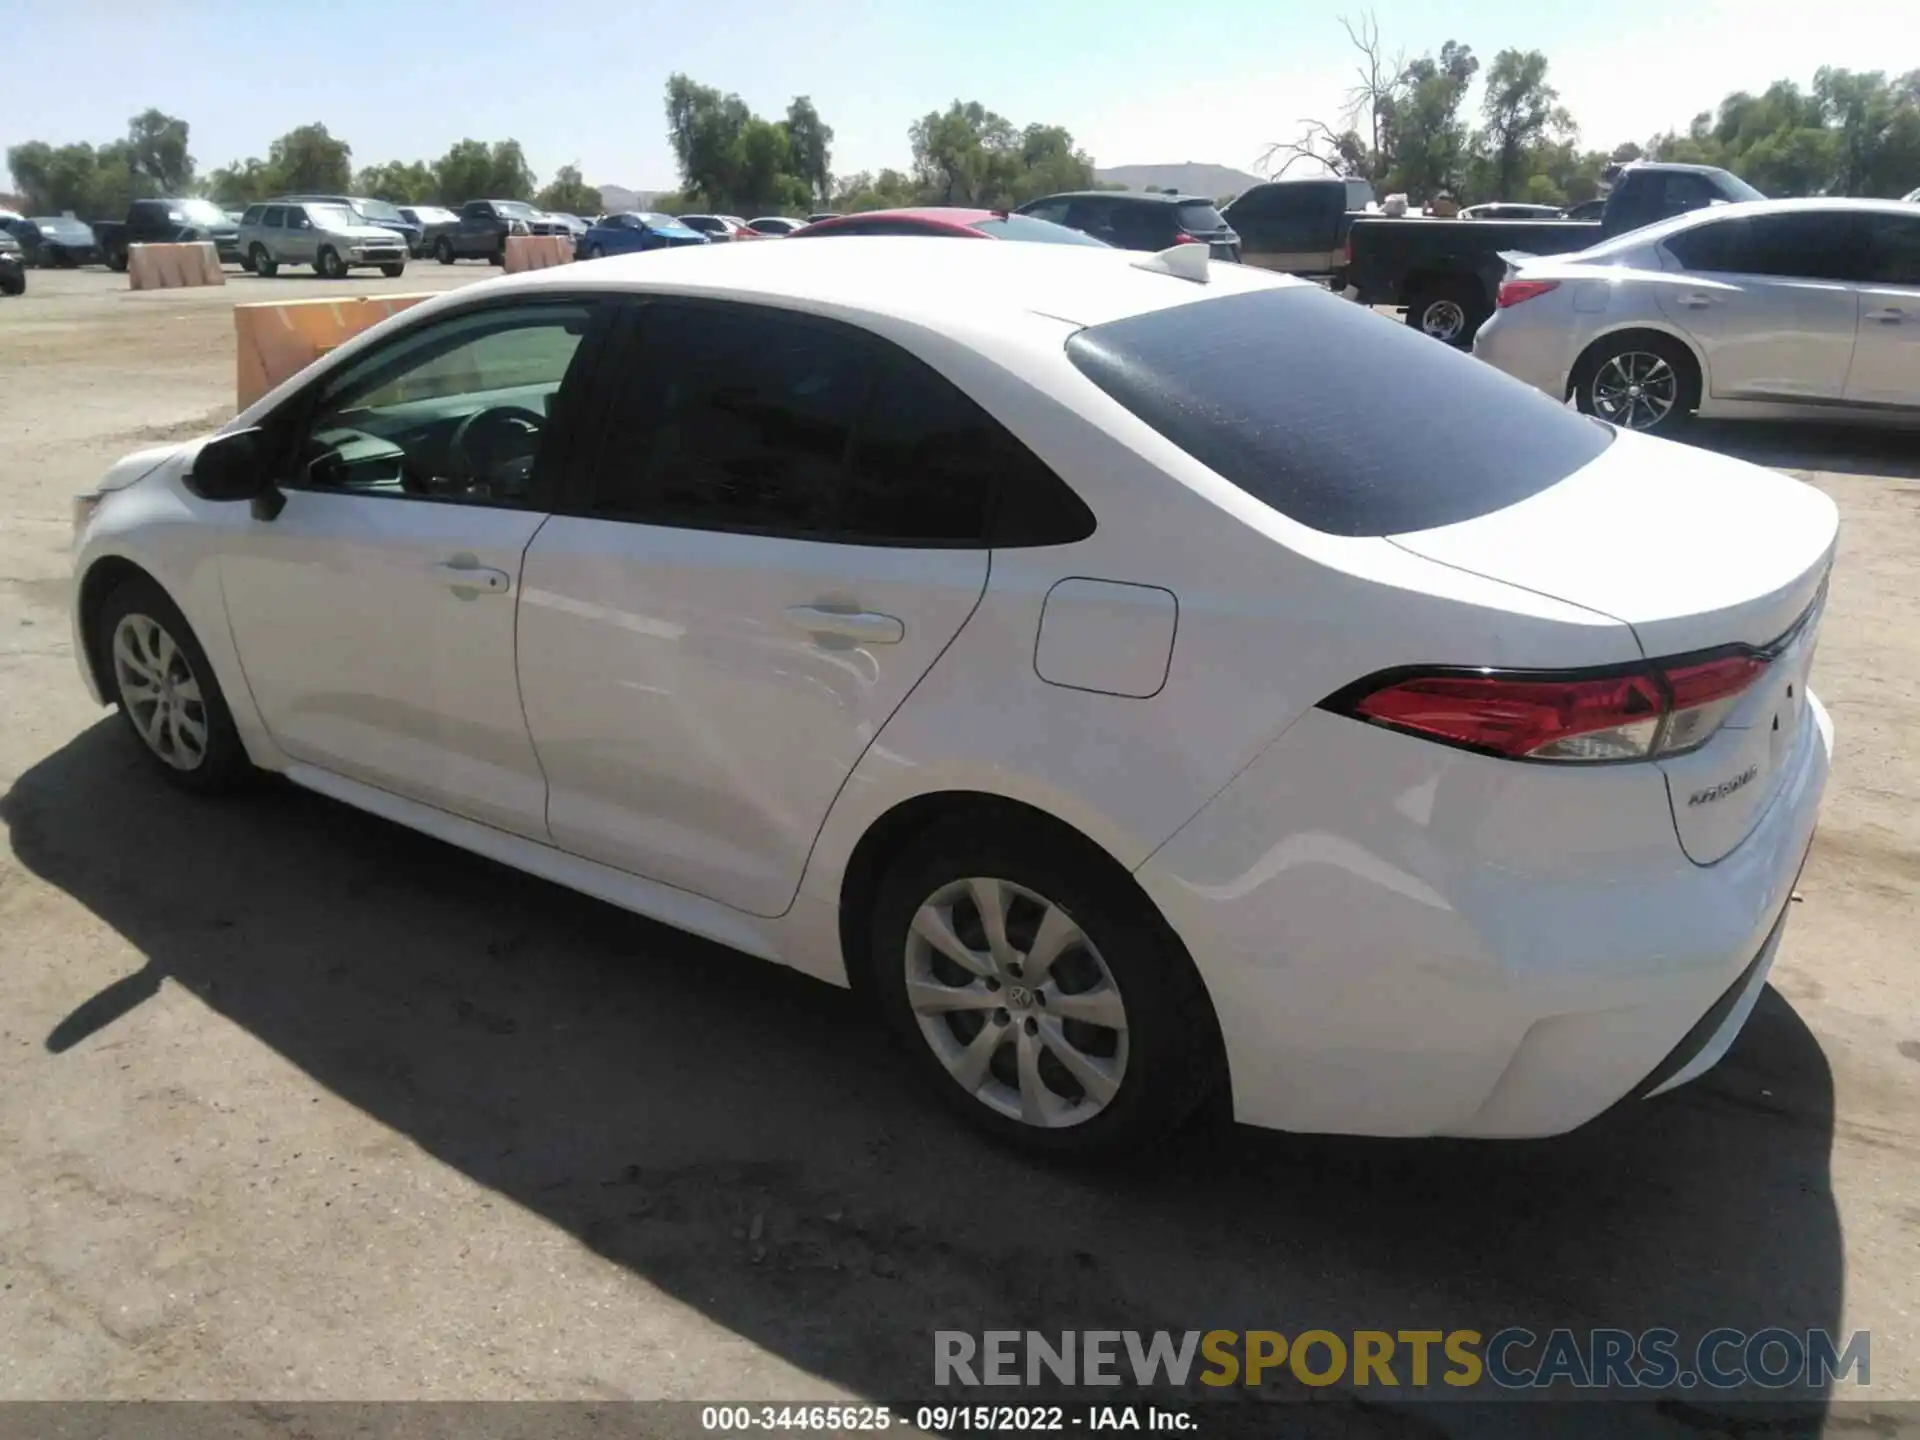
{"x":160,"y":222}
{"x":484,"y":226}
{"x":1447,"y":272}
{"x":1299,"y":226}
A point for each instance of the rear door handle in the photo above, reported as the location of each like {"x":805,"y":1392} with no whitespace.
{"x":1696,"y":301}
{"x":862,"y":625}
{"x":456,"y":575}
{"x":1892,"y":315}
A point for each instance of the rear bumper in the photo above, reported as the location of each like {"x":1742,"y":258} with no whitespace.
{"x":1538,"y":354}
{"x":1404,"y":940}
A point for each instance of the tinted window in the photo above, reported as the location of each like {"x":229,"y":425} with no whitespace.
{"x":745,"y":420}
{"x":275,"y":218}
{"x":475,"y":210}
{"x":1054,"y":210}
{"x":1277,"y":391}
{"x":1197,"y":216}
{"x":1808,"y":245}
{"x":1025,"y":227}
{"x":1359,"y":194}
{"x":252,"y":217}
{"x":1893,"y":249}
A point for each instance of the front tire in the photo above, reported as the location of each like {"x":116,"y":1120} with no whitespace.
{"x":394,"y":272}
{"x":165,"y":687}
{"x":329,"y":264}
{"x":1039,"y":993}
{"x":264,"y":265}
{"x":443,"y":250}
{"x":1647,"y":382}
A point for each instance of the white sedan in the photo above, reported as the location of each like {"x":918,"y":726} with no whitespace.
{"x":1055,"y":643}
{"x":1771,"y":309}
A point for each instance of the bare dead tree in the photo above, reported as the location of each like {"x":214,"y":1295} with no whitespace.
{"x":1378,"y":83}
{"x":1319,"y":143}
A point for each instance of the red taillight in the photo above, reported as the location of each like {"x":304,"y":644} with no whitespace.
{"x":1346,"y":252}
{"x":1512,"y":292}
{"x":1663,"y":709}
{"x":1185,"y":239}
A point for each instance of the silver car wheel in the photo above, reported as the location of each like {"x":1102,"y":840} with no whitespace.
{"x":160,"y":692}
{"x":1443,"y":319}
{"x":1635,"y":389}
{"x":1016,"y":1002}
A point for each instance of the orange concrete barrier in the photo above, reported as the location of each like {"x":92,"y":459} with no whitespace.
{"x":537,"y":252}
{"x":167,"y":267}
{"x":276,"y":339}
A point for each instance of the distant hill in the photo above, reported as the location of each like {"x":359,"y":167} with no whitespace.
{"x":1189,"y":179}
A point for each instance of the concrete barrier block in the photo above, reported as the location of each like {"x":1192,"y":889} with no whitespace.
{"x":276,"y":340}
{"x":537,"y":252}
{"x":169,"y":267}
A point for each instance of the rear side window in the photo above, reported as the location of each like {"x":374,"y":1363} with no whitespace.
{"x":743,"y":419}
{"x":1359,"y":194}
{"x":1807,"y":245}
{"x":1279,"y":391}
{"x":1197,"y":216}
{"x":1025,"y":227}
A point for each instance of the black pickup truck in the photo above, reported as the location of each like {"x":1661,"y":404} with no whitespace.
{"x":167,"y":222}
{"x":1447,"y":272}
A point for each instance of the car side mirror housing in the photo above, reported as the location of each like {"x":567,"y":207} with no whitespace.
{"x":234,"y":467}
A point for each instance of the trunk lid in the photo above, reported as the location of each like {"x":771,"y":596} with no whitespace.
{"x":1695,"y":552}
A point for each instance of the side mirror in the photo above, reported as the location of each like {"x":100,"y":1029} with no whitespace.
{"x":234,"y":467}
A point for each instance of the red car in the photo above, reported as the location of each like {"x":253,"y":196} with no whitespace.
{"x":960,"y":221}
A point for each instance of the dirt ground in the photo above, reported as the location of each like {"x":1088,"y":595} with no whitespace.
{"x":297,"y":1104}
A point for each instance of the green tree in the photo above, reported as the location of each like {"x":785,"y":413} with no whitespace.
{"x":397,"y":182}
{"x":1428,"y":136}
{"x":810,"y":150}
{"x":157,"y":152}
{"x":569,"y":194}
{"x":1520,"y":110}
{"x":704,"y":128}
{"x":308,"y":160}
{"x":243,"y":182}
{"x":475,"y":170}
{"x":889,"y":190}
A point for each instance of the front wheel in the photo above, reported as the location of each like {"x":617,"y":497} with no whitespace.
{"x":394,"y":272}
{"x":586,"y":252}
{"x":263,"y":264}
{"x":1647,"y":382}
{"x":443,"y":250}
{"x":117,"y":260}
{"x":1039,"y":994}
{"x":14,"y":284}
{"x":329,"y":264}
{"x":166,"y":691}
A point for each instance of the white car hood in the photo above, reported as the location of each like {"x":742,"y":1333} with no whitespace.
{"x":1690,"y":548}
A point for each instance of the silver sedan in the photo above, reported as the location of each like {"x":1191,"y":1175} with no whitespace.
{"x":1771,"y":309}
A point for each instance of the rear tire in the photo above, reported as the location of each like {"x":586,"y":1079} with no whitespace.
{"x":1449,"y":311}
{"x":443,"y":250}
{"x":1642,"y":381}
{"x":264,"y":265}
{"x":998,"y":1041}
{"x":394,"y":272}
{"x":15,"y":286}
{"x":498,"y":257}
{"x":586,"y":252}
{"x":158,"y":675}
{"x":117,"y":260}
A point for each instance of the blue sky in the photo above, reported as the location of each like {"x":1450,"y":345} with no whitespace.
{"x":581,"y":82}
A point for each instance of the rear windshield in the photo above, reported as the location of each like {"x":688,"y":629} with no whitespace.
{"x":1196,"y":216}
{"x":1025,"y":227}
{"x":1336,"y":417}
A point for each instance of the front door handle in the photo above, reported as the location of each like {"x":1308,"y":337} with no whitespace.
{"x":863,"y":625}
{"x":1696,"y":301}
{"x":465,"y":575}
{"x":1892,"y":315}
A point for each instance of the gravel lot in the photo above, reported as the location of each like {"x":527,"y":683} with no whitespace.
{"x":297,"y":1104}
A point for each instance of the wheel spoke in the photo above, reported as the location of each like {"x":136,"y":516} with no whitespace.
{"x":1057,"y":932}
{"x":127,"y":655}
{"x":188,"y":691}
{"x":1098,"y":1006}
{"x":970,"y":1066}
{"x":937,"y":930}
{"x":990,"y":899}
{"x":157,"y":732}
{"x":137,"y":689}
{"x":1095,"y":1078}
{"x":928,"y":997}
{"x":192,"y":733}
{"x":1038,"y":1104}
{"x":168,"y":652}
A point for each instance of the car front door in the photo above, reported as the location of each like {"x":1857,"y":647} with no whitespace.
{"x":1886,"y":357}
{"x":475,"y":233}
{"x":1289,"y":227}
{"x":785,"y":527}
{"x":374,"y":614}
{"x":1771,"y":302}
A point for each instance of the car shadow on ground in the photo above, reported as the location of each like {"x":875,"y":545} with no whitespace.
{"x":746,"y":1141}
{"x":1847,"y":449}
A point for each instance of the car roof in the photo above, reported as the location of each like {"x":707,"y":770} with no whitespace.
{"x":1815,"y":203}
{"x":1134,"y":197}
{"x":921,"y":280}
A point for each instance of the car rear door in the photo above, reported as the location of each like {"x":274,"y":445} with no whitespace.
{"x":1886,"y":356}
{"x":782,"y":527}
{"x":1771,"y":302}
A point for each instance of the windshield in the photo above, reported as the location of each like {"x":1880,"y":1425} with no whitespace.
{"x":1195,"y":216}
{"x":377,"y":210}
{"x":516,"y":210}
{"x":1648,"y":234}
{"x":1025,"y":227}
{"x":672,"y":226}
{"x":60,"y":225}
{"x":1736,"y":188}
{"x":332,"y":217}
{"x":1275,"y":391}
{"x":203,"y":212}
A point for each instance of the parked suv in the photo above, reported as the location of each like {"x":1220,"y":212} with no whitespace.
{"x":484,"y":227}
{"x":1139,"y":222}
{"x":433,"y":221}
{"x":369,"y":211}
{"x":329,"y":237}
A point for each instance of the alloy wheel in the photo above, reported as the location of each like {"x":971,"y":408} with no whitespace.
{"x":1443,"y":319}
{"x":1635,"y":389}
{"x":1016,"y":1003}
{"x":160,"y":691}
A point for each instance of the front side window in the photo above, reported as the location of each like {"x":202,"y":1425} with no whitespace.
{"x":454,"y":410}
{"x":751,"y":420}
{"x":1893,"y":249}
{"x":1054,"y":210}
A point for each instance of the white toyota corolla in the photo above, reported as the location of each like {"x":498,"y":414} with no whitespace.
{"x":1142,"y":676}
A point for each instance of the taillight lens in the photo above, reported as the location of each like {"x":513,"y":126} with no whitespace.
{"x":1663,"y":709}
{"x":1512,"y":292}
